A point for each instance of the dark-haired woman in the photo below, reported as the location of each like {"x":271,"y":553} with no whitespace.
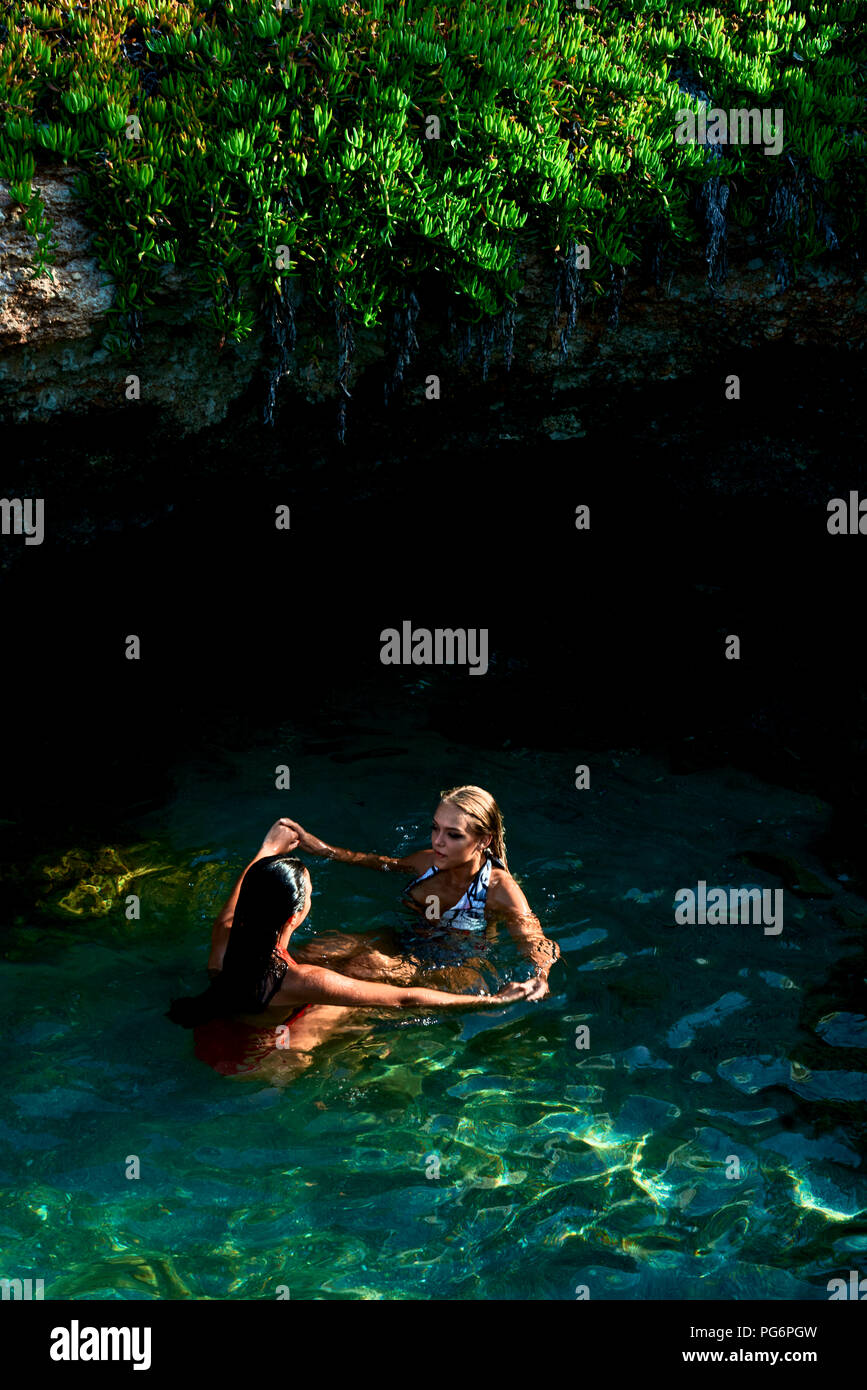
{"x":263,"y":999}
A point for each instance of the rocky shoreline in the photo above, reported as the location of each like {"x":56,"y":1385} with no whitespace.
{"x":54,"y":361}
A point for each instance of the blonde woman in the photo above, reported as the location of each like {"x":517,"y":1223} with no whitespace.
{"x":459,"y":885}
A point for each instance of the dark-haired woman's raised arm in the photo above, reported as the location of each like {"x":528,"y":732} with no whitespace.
{"x":311,"y":844}
{"x":281,"y":839}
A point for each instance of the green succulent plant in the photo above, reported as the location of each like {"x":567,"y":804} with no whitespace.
{"x":211,"y":133}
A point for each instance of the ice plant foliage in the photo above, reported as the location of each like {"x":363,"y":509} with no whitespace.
{"x":360,"y":148}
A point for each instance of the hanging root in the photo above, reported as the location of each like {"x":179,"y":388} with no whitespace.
{"x":281,"y":325}
{"x":712,"y":202}
{"x":465,"y":342}
{"x":507,"y":328}
{"x":483,"y":337}
{"x":461,"y":332}
{"x":653,"y":254}
{"x":402,"y":341}
{"x":713,"y":197}
{"x":346,"y":348}
{"x":617,"y":278}
{"x":134,"y":327}
{"x":790,"y":201}
{"x":486,"y":344}
{"x":568,"y":294}
{"x":784,"y":213}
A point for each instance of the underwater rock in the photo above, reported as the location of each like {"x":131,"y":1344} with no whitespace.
{"x":98,"y":881}
{"x":683,"y":1032}
{"x":642,"y":1115}
{"x":148,"y":1276}
{"x":636,"y":895}
{"x":796,"y":878}
{"x":853,"y":921}
{"x":753,"y":1074}
{"x":798,"y":1149}
{"x":843,"y":1030}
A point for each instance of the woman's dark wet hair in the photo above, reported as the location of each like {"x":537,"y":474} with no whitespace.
{"x":273,"y":890}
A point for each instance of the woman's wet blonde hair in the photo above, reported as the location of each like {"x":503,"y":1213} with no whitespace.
{"x":483,"y":813}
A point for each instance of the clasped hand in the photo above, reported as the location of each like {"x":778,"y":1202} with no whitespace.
{"x":282,"y":837}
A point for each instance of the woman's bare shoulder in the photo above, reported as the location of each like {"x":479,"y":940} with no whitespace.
{"x":504,"y":891}
{"x":419,"y":860}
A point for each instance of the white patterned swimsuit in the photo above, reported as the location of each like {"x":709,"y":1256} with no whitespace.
{"x":469,"y":913}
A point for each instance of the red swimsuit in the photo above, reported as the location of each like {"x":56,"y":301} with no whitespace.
{"x":231,"y":1047}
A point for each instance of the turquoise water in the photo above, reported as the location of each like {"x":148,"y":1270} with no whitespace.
{"x":558,"y":1166}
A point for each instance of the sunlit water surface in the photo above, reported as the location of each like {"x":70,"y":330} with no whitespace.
{"x":609,"y":1167}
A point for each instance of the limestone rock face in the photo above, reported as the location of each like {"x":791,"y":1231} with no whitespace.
{"x":57,"y":307}
{"x":52,"y":355}
{"x":53,"y":358}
